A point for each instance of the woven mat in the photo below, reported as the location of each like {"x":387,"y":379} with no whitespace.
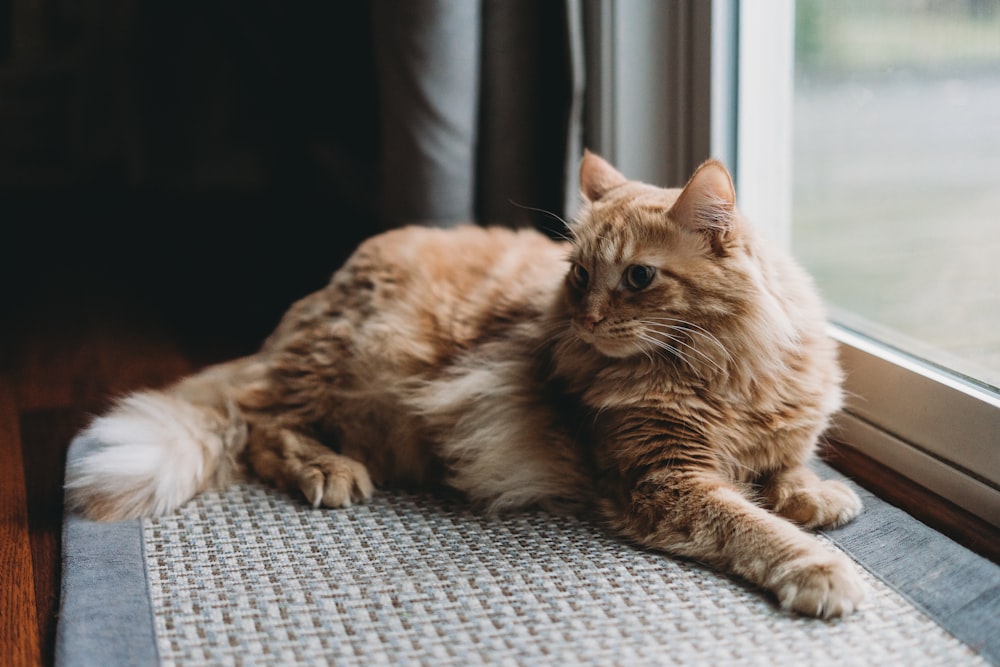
{"x":252,"y":576}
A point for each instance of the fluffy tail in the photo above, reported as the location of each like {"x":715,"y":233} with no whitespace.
{"x":155,"y":450}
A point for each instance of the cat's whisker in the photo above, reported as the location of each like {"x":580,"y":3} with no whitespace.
{"x":694,"y":329}
{"x":646,"y":353}
{"x":686,"y":323}
{"x":691,"y":327}
{"x":688,"y":339}
{"x":707,"y":359}
{"x":679,"y":341}
{"x":701,"y":354}
{"x":661,"y":345}
{"x":552,"y":215}
{"x":712,"y":362}
{"x":676,"y":352}
{"x":562,"y":236}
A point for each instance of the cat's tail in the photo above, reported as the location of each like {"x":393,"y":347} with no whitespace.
{"x":155,"y":450}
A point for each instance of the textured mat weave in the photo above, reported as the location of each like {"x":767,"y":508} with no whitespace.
{"x":251,"y":576}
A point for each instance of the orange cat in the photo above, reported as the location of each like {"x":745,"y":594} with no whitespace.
{"x":665,"y":366}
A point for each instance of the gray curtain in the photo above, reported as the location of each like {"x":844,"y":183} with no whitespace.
{"x":480,"y":110}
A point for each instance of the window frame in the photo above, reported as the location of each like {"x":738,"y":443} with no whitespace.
{"x":723,"y":78}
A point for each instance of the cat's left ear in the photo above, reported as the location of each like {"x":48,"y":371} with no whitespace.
{"x":597,"y":176}
{"x":708,"y":202}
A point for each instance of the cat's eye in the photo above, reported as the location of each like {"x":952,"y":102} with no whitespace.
{"x":638,"y":277}
{"x":579,"y":276}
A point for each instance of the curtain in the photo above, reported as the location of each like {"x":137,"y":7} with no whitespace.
{"x":480,"y":110}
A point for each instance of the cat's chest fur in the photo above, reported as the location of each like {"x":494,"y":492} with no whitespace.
{"x":650,"y":418}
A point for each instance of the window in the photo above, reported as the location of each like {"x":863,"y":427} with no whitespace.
{"x":896,"y":152}
{"x":863,"y":134}
{"x":894,"y":194}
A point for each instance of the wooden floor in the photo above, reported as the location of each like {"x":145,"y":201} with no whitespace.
{"x":65,"y":352}
{"x":63,"y":361}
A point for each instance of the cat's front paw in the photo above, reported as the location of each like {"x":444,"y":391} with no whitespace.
{"x":828,"y":504}
{"x":332,"y":480}
{"x":825,"y":585}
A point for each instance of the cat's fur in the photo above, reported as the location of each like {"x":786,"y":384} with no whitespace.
{"x":523,"y":371}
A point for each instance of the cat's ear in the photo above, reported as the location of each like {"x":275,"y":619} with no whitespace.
{"x":708,"y":201}
{"x":597,"y":176}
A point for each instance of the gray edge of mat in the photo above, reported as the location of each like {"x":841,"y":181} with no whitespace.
{"x":957,"y":588}
{"x":106,"y":615}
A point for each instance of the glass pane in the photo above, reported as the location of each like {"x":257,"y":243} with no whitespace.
{"x":896,"y":204}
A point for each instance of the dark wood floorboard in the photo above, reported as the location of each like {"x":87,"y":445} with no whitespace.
{"x":45,"y":434}
{"x":19,"y":637}
{"x":63,"y":360}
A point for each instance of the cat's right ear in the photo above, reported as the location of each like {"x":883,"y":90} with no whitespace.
{"x":708,"y":200}
{"x":597,"y":176}
{"x":708,"y":203}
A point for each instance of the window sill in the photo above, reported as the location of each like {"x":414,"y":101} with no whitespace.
{"x":940,"y":514}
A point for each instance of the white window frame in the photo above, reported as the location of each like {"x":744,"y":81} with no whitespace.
{"x":939,"y":430}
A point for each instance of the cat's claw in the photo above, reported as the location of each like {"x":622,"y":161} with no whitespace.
{"x":335,"y":481}
{"x":825,"y":587}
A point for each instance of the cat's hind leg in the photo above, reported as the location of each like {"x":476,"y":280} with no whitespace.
{"x":291,"y":460}
{"x":799,"y":495}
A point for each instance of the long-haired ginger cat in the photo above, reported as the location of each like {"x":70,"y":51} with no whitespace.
{"x":664,"y":366}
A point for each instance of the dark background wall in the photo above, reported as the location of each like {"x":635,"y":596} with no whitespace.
{"x":213,"y":157}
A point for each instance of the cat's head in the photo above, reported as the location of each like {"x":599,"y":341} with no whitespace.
{"x":661,"y":272}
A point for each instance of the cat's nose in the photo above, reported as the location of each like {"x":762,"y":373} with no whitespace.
{"x":590,"y":320}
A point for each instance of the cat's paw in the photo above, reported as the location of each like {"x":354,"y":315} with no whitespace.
{"x":828,"y":504}
{"x":825,"y":585}
{"x":332,"y":480}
